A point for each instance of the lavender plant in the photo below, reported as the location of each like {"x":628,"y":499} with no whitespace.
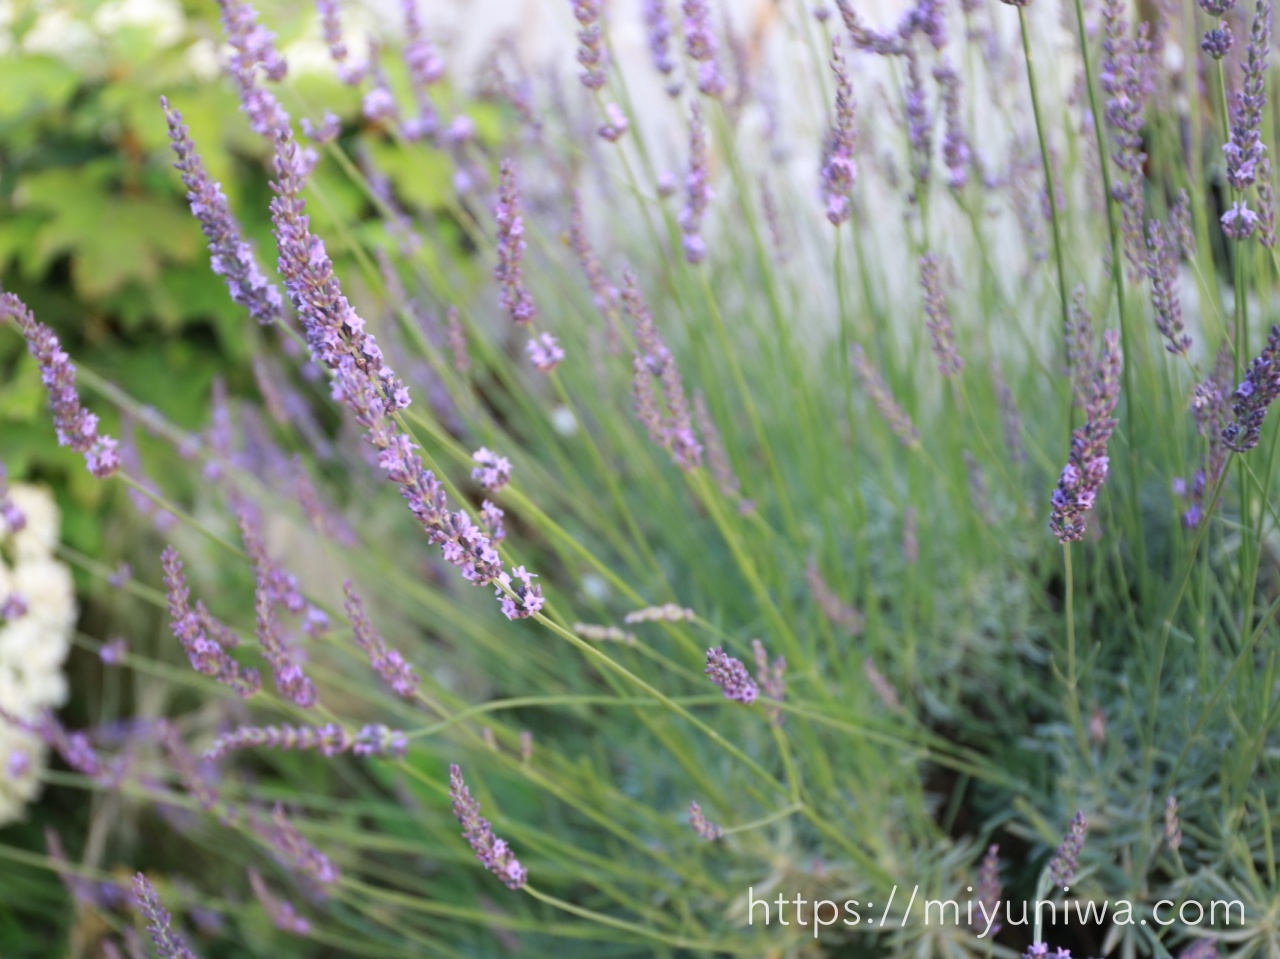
{"x":805,"y":442}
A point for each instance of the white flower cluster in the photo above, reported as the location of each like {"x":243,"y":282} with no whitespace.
{"x":36,"y":591}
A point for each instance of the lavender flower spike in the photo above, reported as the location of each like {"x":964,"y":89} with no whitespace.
{"x":1086,"y":469}
{"x":545,"y":353}
{"x":701,"y":825}
{"x":1063,"y":866}
{"x":515,"y":297}
{"x":659,"y":26}
{"x":1255,"y":393}
{"x":169,"y":944}
{"x":697,"y":189}
{"x":231,"y":257}
{"x":770,"y":676}
{"x":700,"y":44}
{"x":493,"y":852}
{"x":296,"y":853}
{"x":253,"y":47}
{"x":955,"y":145}
{"x":76,"y":427}
{"x":329,"y":740}
{"x":839,"y":169}
{"x":883,"y":400}
{"x":194,"y":629}
{"x":1244,"y":149}
{"x":672,"y":430}
{"x":939,"y":322}
{"x":591,"y":50}
{"x":731,"y":676}
{"x":494,"y":471}
{"x":282,"y":912}
{"x":988,"y":891}
{"x":387,"y":663}
{"x":1162,"y":268}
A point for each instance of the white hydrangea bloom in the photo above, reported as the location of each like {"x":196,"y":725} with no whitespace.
{"x":34,"y":646}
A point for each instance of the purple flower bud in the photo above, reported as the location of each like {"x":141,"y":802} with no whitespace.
{"x":1238,"y":222}
{"x":731,"y":676}
{"x":1065,"y":862}
{"x":704,"y":828}
{"x":544,"y":352}
{"x":1217,"y":41}
{"x":1253,"y":396}
{"x":494,"y":471}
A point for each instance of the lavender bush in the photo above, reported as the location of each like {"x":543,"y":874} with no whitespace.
{"x":839,"y":463}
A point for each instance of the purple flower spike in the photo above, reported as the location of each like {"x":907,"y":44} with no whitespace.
{"x":989,"y":889}
{"x":283,"y":914}
{"x":296,"y":853}
{"x":76,"y":427}
{"x":697,"y":189}
{"x":494,"y":471}
{"x":955,"y":145}
{"x":426,"y":68}
{"x":230,"y":255}
{"x":919,"y":122}
{"x":515,"y":298}
{"x":1216,"y":8}
{"x":935,"y":306}
{"x":11,"y":517}
{"x":386,"y":662}
{"x":328,"y":740}
{"x":616,"y":124}
{"x":169,"y":945}
{"x":253,"y":47}
{"x":331,"y":26}
{"x":493,"y":852}
{"x":672,"y":429}
{"x":1217,"y":41}
{"x":771,"y":677}
{"x":1086,"y":469}
{"x":701,"y":825}
{"x":544,"y":352}
{"x":528,"y":598}
{"x":839,"y":169}
{"x":1244,"y":149}
{"x":1065,"y":862}
{"x":731,"y":676}
{"x":194,"y":629}
{"x":1125,"y":76}
{"x":658,"y":24}
{"x":1253,"y":396}
{"x":1238,"y":223}
{"x":591,"y":50}
{"x":1162,"y":268}
{"x":897,"y":418}
{"x":700,"y":44}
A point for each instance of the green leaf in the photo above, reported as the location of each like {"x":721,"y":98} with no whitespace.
{"x":34,"y":84}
